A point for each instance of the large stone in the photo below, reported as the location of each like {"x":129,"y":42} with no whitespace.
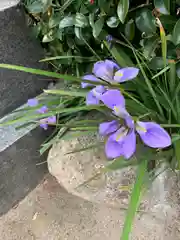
{"x":73,"y":172}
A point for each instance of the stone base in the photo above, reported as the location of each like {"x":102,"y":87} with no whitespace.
{"x":75,"y":172}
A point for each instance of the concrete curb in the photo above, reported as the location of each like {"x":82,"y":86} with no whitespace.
{"x":5,"y":4}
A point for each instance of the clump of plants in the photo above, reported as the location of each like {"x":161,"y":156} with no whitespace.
{"x":72,"y":31}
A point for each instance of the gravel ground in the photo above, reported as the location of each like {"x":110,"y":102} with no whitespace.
{"x":50,"y":213}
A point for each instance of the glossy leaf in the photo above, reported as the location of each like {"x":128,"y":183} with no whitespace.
{"x":48,"y":37}
{"x":178,"y":70}
{"x":163,"y":6}
{"x":54,"y":20}
{"x":168,"y":21}
{"x":80,"y":20}
{"x":145,"y":21}
{"x":176,"y":33}
{"x":156,"y":63}
{"x":130,"y":29}
{"x":149,"y":46}
{"x":119,"y":55}
{"x":122,"y":9}
{"x":67,"y":21}
{"x":35,"y":7}
{"x":98,"y":26}
{"x":112,"y":22}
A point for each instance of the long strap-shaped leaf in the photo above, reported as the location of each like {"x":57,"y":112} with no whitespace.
{"x":134,"y":201}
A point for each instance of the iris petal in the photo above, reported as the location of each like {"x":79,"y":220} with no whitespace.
{"x":153,"y":135}
{"x":125,"y":74}
{"x":33,"y":102}
{"x":51,"y":119}
{"x":91,"y":78}
{"x":43,"y":109}
{"x":113,"y":98}
{"x":112,"y":149}
{"x":105,"y":70}
{"x":91,"y":99}
{"x":129,"y":145}
{"x":108,"y":127}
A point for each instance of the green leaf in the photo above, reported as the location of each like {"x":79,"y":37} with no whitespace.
{"x":122,"y":9}
{"x":67,"y":93}
{"x":112,"y":22}
{"x":35,"y":7}
{"x":41,"y":72}
{"x":66,"y":4}
{"x":87,"y":59}
{"x":67,"y":21}
{"x":119,"y":55}
{"x":176,"y":33}
{"x":135,"y":199}
{"x":163,"y":41}
{"x":149,"y":46}
{"x":145,"y":21}
{"x":156,"y":63}
{"x":161,"y":72}
{"x":178,"y":70}
{"x":177,"y":152}
{"x":168,"y":22}
{"x":130,"y":30}
{"x":98,"y":26}
{"x":91,"y":19}
{"x":163,"y":6}
{"x":78,"y":33}
{"x":80,"y":20}
{"x":54,"y":20}
{"x":172,"y":77}
{"x":49,"y":37}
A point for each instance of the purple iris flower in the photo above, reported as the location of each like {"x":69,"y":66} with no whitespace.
{"x":47,"y":121}
{"x":32,"y":102}
{"x":122,"y":139}
{"x":44,"y":109}
{"x":93,"y":97}
{"x":107,"y":71}
{"x":109,"y":39}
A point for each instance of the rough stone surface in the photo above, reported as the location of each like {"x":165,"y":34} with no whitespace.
{"x":113,"y":188}
{"x":20,"y":171}
{"x":50,"y":213}
{"x":18,"y":47}
{"x":4,"y":4}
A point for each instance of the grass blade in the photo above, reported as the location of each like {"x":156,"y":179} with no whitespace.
{"x":177,"y":152}
{"x":50,"y":74}
{"x":119,"y":55}
{"x":40,"y":72}
{"x":161,"y":72}
{"x":134,"y":201}
{"x":151,"y":90}
{"x":172,"y":76}
{"x":89,"y":59}
{"x":163,"y":41}
{"x":67,"y":93}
